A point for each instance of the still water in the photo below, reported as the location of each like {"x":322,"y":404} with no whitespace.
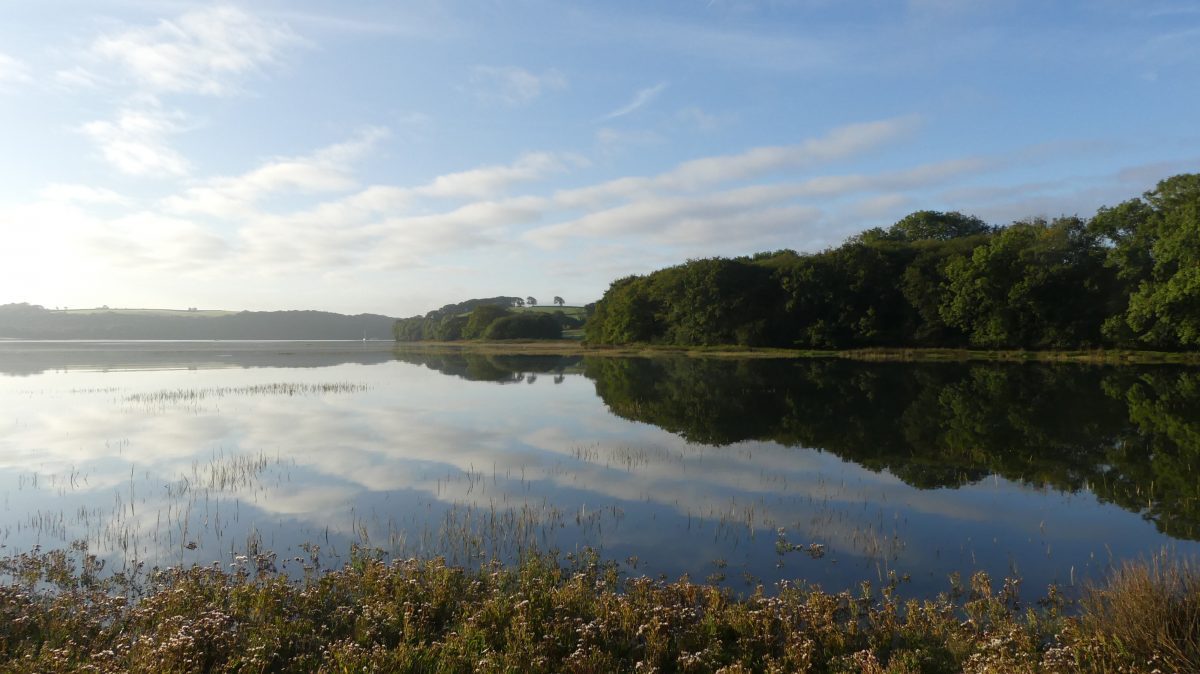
{"x":735,"y":471}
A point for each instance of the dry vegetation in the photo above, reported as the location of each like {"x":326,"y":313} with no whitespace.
{"x":58,"y":612}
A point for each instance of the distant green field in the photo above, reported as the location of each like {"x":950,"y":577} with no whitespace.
{"x":152,"y":312}
{"x":546,"y":309}
{"x":551,"y":308}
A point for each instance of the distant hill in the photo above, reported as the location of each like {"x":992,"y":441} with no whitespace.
{"x":31,"y":321}
{"x":492,"y":318}
{"x":467,"y":306}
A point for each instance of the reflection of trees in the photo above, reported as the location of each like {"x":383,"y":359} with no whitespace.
{"x":1154,"y":467}
{"x":1131,"y":435}
{"x":502,"y":369}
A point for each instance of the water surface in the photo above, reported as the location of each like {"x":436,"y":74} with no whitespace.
{"x":740,"y":471}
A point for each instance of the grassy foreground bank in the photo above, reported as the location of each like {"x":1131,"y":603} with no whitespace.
{"x":539,"y":616}
{"x":570,"y":347}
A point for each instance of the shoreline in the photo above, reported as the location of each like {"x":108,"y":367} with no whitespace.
{"x":877,"y":354}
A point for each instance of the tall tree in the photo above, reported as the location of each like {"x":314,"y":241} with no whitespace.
{"x":1156,"y":251}
{"x":935,"y":226}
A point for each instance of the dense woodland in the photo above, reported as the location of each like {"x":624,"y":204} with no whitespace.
{"x":1129,"y":276}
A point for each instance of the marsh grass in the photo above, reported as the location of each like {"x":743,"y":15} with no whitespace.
{"x":190,"y":395}
{"x":1148,"y":611}
{"x":572,"y":614}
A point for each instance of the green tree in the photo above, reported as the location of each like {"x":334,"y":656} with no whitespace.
{"x":1035,"y":284}
{"x":481,"y":318}
{"x":1156,"y":251}
{"x":559,"y":301}
{"x":935,"y":226}
{"x":524,"y":326}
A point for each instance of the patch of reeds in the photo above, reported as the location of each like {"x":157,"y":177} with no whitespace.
{"x":59,"y":613}
{"x":190,"y":395}
{"x":1147,"y":611}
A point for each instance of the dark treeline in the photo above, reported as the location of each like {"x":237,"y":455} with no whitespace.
{"x":28,"y":321}
{"x":488,"y":318}
{"x":1127,"y":277}
{"x":1129,"y":434}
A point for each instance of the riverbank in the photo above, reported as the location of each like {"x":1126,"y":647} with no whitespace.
{"x":567,"y":347}
{"x":542,"y":616}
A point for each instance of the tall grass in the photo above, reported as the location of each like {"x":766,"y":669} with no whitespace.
{"x":579,"y":614}
{"x":1147,"y":611}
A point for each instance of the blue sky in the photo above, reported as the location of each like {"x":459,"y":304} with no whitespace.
{"x":391,"y":157}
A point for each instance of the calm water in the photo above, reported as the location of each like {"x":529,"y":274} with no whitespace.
{"x":745,"y":471}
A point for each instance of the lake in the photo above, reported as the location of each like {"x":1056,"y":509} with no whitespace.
{"x":734,"y":471}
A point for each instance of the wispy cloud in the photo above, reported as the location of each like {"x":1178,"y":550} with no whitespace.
{"x":78,"y":77}
{"x":612,"y":140}
{"x":699,"y":119}
{"x":13,"y":72}
{"x":513,"y":86}
{"x":204,"y":51}
{"x":489,"y":181}
{"x":327,"y":170}
{"x":839,"y":143}
{"x":135,"y":142}
{"x":81,"y":194}
{"x":640,"y":99}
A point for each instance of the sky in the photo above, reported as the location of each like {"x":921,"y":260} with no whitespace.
{"x":392,"y":157}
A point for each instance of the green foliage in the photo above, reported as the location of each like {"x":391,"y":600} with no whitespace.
{"x":524,"y":326}
{"x":481,"y":319}
{"x":1129,"y":276}
{"x":936,"y":226}
{"x":490,"y":318}
{"x":1034,"y":284}
{"x":1165,"y":308}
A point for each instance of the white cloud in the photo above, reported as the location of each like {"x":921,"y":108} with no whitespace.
{"x":392,"y":201}
{"x":374,"y":227}
{"x":655,"y":212}
{"x":13,"y":72}
{"x":78,"y":77}
{"x":742,"y":214}
{"x":135,"y":142}
{"x":842,"y":142}
{"x":148,"y":241}
{"x":641,"y":98}
{"x":204,"y":51}
{"x":81,"y":194}
{"x":327,"y":170}
{"x":489,"y":181}
{"x":874,"y":208}
{"x":512,"y":85}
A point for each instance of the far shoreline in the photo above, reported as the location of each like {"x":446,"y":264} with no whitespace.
{"x":570,"y":347}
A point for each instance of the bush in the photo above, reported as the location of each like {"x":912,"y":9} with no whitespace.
{"x":524,"y":326}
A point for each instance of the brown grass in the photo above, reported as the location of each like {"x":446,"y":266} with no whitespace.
{"x":1147,"y":611}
